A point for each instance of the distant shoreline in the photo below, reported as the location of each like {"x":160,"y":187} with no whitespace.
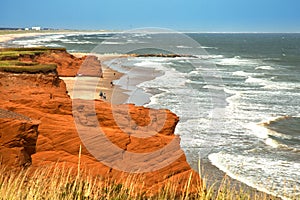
{"x":11,"y":35}
{"x":7,"y":35}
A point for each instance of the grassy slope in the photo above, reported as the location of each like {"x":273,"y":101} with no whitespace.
{"x":9,"y":60}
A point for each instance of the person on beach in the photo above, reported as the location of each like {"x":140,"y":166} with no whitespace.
{"x":101,"y":94}
{"x":112,"y":84}
{"x":104,"y":96}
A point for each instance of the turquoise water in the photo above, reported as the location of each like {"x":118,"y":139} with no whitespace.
{"x":238,"y":98}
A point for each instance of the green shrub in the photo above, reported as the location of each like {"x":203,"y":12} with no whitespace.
{"x":9,"y":60}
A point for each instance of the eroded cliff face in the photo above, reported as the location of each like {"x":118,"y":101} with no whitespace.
{"x":111,"y":136}
{"x":17,"y":140}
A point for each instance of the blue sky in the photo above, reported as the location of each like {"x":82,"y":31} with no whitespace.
{"x":181,"y":15}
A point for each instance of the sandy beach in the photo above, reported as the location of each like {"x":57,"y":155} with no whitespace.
{"x":4,"y":37}
{"x":7,"y":37}
{"x":103,"y":84}
{"x":85,"y":86}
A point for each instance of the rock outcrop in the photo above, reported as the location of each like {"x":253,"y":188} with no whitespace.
{"x":17,"y":141}
{"x":116,"y":140}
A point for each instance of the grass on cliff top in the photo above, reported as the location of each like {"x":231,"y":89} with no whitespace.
{"x":14,"y":53}
{"x":9,"y":60}
{"x":26,"y":49}
{"x":61,"y":185}
{"x":38,"y":68}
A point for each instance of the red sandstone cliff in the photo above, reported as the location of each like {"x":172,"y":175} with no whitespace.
{"x":63,"y":127}
{"x":17,"y":140}
{"x":67,"y":64}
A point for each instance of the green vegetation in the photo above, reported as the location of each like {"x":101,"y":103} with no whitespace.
{"x":39,"y":68}
{"x":10,"y":60}
{"x":14,"y":53}
{"x":34,"y":49}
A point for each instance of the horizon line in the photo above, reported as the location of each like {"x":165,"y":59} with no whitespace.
{"x":179,"y":31}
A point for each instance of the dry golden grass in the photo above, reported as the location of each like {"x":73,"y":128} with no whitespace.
{"x":57,"y":183}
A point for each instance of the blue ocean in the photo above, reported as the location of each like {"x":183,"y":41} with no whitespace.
{"x":237,"y":95}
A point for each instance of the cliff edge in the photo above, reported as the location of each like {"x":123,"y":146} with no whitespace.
{"x":53,"y":129}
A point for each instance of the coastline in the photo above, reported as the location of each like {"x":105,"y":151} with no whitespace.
{"x":12,"y":36}
{"x":7,"y":36}
{"x":212,"y":174}
{"x":57,"y":141}
{"x":113,"y":93}
{"x":104,"y":84}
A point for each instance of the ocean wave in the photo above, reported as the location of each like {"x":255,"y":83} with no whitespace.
{"x":44,"y":40}
{"x":209,"y":56}
{"x":193,"y":82}
{"x":258,"y":81}
{"x":237,"y":60}
{"x":233,"y":98}
{"x":131,"y":41}
{"x":113,"y":43}
{"x":96,"y":37}
{"x":264,"y":133}
{"x":275,"y":119}
{"x":281,"y":86}
{"x":39,"y":39}
{"x":277,"y":138}
{"x":76,"y":42}
{"x":256,"y":172}
{"x":153,"y":59}
{"x":241,"y":73}
{"x":194,"y":73}
{"x":287,"y":126}
{"x":151,"y":64}
{"x":266,"y":67}
{"x":170,"y":79}
{"x":247,"y":104}
{"x":53,"y":45}
{"x":183,"y":47}
{"x":214,"y":87}
{"x":205,"y":47}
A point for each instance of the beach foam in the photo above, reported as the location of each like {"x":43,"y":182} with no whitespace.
{"x":261,"y":169}
{"x":241,"y":73}
{"x":237,"y":60}
{"x":265,"y":68}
